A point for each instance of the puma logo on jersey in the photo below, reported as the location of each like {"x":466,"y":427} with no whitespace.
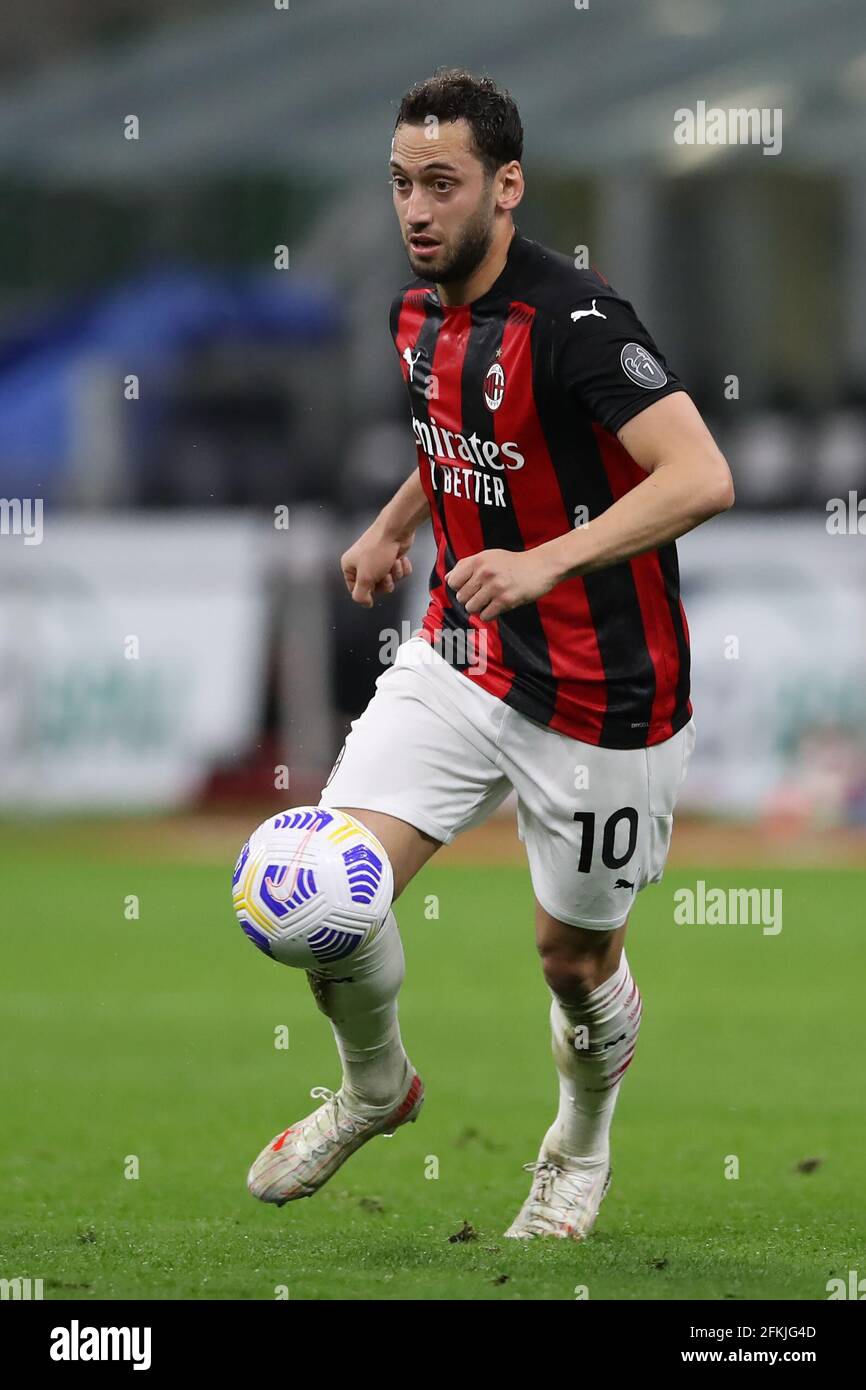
{"x":410,"y":360}
{"x":587,"y":313}
{"x":623,"y":883}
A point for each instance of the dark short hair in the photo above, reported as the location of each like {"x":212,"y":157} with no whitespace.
{"x":452,"y":94}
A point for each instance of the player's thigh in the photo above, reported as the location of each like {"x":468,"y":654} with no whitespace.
{"x":422,"y":758}
{"x":596,"y":822}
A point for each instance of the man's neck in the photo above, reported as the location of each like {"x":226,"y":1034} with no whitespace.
{"x":484,"y":275}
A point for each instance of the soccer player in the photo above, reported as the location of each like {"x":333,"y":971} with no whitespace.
{"x":559,"y":457}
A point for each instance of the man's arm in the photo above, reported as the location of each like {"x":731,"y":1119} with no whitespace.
{"x":402,"y":516}
{"x":688,"y":482}
{"x":378,"y":561}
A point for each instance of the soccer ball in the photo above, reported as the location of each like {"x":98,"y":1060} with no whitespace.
{"x":311,"y":885}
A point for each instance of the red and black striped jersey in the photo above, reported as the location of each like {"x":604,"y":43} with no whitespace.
{"x":516,"y":399}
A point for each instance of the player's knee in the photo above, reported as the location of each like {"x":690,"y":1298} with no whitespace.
{"x":575,"y":960}
{"x":574,"y":968}
{"x":570,"y":977}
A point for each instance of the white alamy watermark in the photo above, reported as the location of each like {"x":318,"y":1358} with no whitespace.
{"x":460,"y":647}
{"x":846,"y":517}
{"x":729,"y":907}
{"x":854,"y":1288}
{"x":20,"y":1289}
{"x":22,"y":516}
{"x":735,"y":125}
{"x":77,"y":1343}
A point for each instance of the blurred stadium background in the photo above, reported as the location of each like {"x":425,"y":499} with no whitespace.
{"x":170,"y":387}
{"x":198,"y":387}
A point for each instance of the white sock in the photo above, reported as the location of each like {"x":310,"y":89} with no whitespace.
{"x":590,"y":1075}
{"x":359,"y":996}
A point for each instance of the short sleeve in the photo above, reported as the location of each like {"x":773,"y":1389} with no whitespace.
{"x":605,"y":360}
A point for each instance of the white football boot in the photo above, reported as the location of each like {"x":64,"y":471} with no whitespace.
{"x":301,"y":1159}
{"x":562,"y":1201}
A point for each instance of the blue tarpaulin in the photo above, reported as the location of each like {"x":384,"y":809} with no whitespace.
{"x":143,"y":323}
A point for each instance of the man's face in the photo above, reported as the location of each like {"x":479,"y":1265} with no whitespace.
{"x":444,"y":202}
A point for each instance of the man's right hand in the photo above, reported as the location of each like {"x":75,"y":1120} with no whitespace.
{"x":375,"y":564}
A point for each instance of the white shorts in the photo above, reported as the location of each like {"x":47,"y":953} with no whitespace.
{"x":435,"y":749}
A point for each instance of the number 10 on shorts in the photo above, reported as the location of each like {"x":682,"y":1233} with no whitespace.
{"x":609,"y":857}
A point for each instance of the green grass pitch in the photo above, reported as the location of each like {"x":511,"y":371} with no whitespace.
{"x":154,"y":1038}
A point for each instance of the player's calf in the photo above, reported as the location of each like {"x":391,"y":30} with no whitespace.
{"x":593,"y":1042}
{"x":593,"y":1037}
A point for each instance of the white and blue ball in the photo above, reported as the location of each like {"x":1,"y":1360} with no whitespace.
{"x":311,"y":886}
